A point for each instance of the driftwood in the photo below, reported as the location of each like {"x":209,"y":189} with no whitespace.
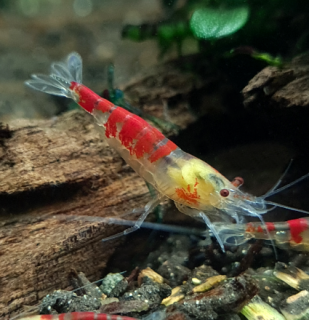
{"x":55,"y":171}
{"x":49,"y":170}
{"x":287,"y":87}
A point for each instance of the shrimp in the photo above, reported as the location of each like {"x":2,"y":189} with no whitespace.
{"x":292,"y":234}
{"x":77,"y":316}
{"x":197,"y":189}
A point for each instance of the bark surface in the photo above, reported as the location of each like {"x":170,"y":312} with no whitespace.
{"x":53,"y":172}
{"x":274,"y":87}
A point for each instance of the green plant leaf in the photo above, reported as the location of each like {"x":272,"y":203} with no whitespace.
{"x":210,"y":23}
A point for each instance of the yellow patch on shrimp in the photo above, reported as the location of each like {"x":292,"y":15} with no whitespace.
{"x":192,"y":185}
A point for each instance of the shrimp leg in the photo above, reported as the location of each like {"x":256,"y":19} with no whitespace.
{"x":212,"y":228}
{"x":147,"y":209}
{"x":266,"y":232}
{"x":201,"y":215}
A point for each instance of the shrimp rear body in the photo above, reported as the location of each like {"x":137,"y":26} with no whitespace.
{"x":77,"y":316}
{"x":291,"y":234}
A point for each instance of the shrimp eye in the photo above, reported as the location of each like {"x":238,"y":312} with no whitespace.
{"x":224,"y":193}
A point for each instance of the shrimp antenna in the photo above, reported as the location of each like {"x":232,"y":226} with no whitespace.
{"x":286,"y":186}
{"x":269,"y":192}
{"x":271,"y":209}
{"x":286,"y":207}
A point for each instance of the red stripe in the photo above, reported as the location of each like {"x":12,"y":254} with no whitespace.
{"x":104,"y":105}
{"x":163,"y":151}
{"x":76,"y":315}
{"x":147,"y":141}
{"x":250,"y":227}
{"x":132,"y":127}
{"x":87,"y":315}
{"x":46,"y":317}
{"x":117,"y":116}
{"x":136,"y":134}
{"x":297,"y":226}
{"x":82,"y":315}
{"x":270,"y":226}
{"x":89,"y":100}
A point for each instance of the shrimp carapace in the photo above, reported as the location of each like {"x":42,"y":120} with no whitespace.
{"x":196,"y":188}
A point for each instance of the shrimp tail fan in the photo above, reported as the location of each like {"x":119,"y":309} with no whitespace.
{"x":59,"y":81}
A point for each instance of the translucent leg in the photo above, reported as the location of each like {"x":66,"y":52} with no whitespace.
{"x":201,"y":215}
{"x":267,"y":232}
{"x":236,"y":218}
{"x":147,"y":225}
{"x":212,"y":228}
{"x":147,"y":209}
{"x":132,"y":212}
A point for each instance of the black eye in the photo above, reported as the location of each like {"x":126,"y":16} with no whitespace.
{"x":224,"y":193}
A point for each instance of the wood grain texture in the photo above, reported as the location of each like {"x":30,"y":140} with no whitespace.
{"x":280,"y":88}
{"x":52,"y":172}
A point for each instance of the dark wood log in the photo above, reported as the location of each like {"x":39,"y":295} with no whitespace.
{"x":50,"y":170}
{"x":55,"y":171}
{"x":286,"y":87}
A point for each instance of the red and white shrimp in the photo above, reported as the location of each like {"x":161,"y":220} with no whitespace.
{"x":77,"y":316}
{"x":196,"y":188}
{"x":291,"y":234}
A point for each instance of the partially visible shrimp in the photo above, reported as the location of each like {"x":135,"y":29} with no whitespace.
{"x":196,"y":188}
{"x":291,"y":234}
{"x":77,"y":316}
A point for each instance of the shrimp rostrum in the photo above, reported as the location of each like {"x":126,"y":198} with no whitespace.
{"x":197,"y":189}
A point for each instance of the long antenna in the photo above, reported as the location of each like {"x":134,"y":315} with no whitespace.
{"x":286,"y":207}
{"x":288,"y":185}
{"x":269,"y":192}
